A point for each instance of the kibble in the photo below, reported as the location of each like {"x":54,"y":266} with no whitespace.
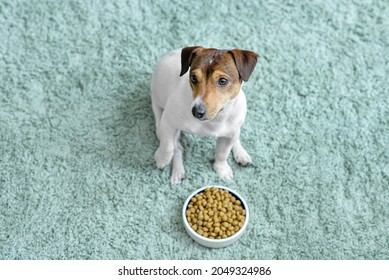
{"x":215,"y":213}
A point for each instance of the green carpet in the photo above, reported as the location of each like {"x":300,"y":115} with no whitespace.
{"x":77,"y":137}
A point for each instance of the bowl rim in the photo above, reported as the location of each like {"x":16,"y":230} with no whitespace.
{"x":206,"y":239}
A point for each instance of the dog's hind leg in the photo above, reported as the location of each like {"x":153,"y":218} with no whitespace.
{"x":240,"y":154}
{"x":178,"y":171}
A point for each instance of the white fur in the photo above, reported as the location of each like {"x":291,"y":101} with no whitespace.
{"x":172,"y":104}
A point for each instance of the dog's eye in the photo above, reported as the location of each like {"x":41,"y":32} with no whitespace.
{"x":222,"y":81}
{"x":193,"y":78}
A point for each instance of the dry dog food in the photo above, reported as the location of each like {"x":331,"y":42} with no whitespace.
{"x":215,"y":213}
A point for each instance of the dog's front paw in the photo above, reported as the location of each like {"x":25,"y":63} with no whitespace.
{"x":162,"y":158}
{"x":223,"y":170}
{"x":177,"y":175}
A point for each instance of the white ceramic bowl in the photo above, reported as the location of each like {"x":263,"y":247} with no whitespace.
{"x":214,"y":243}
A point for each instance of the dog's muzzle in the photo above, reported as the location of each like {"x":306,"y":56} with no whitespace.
{"x":199,"y":112}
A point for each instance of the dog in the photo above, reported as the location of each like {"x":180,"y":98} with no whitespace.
{"x":207,"y":100}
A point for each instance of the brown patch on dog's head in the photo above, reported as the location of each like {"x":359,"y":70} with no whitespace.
{"x":216,"y":75}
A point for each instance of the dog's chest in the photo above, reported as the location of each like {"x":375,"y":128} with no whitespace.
{"x":211,"y":128}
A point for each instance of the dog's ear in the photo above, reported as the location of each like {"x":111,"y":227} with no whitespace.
{"x":187,"y":55}
{"x":245,"y":62}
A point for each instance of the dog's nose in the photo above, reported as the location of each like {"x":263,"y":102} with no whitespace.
{"x":198,"y":111}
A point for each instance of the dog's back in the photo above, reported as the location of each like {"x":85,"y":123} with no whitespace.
{"x":166,"y":78}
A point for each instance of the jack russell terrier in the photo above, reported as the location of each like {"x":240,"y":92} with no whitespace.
{"x":207,"y":100}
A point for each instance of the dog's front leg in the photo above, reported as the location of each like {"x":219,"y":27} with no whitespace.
{"x":223,"y":149}
{"x":165,"y":151}
{"x":178,"y":170}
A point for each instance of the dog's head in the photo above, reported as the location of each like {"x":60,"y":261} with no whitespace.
{"x":215,"y":77}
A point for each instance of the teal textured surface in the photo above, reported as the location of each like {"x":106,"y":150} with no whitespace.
{"x":77,"y":136}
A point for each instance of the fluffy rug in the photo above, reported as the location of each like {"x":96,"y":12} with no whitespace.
{"x":77,"y":136}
